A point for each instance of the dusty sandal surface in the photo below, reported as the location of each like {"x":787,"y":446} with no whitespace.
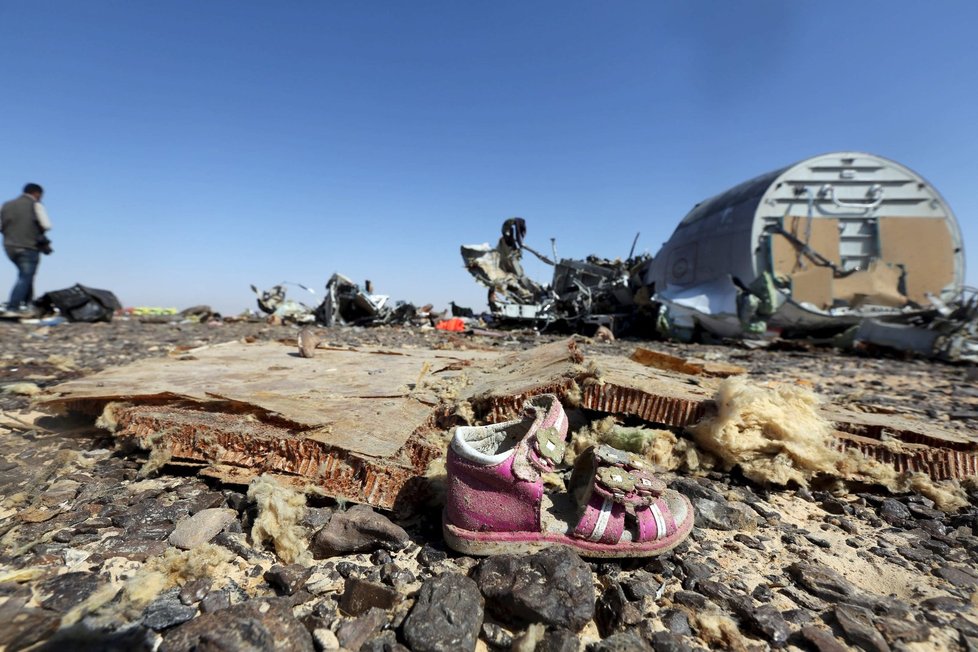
{"x":614,"y":506}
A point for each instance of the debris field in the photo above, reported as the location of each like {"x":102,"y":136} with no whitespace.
{"x":232,"y":485}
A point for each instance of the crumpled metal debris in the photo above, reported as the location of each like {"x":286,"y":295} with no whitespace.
{"x":346,"y":303}
{"x":594,"y":291}
{"x":273,"y":302}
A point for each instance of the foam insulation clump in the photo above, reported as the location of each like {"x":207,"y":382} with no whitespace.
{"x":775,"y":434}
{"x":280,"y":509}
{"x":661,"y":447}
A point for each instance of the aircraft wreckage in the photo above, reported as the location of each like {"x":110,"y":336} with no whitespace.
{"x":842,"y":243}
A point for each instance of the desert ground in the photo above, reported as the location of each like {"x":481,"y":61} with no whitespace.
{"x":102,"y":550}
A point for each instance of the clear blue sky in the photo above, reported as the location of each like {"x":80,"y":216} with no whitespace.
{"x":190,"y":148}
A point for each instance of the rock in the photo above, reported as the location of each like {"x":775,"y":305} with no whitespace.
{"x":614,"y":612}
{"x":82,"y":638}
{"x":693,"y":490}
{"x":859,"y":628}
{"x":195,"y":590}
{"x":201,"y":527}
{"x":620,"y":642}
{"x":286,"y":580}
{"x":358,"y":529}
{"x":834,"y":506}
{"x":946,"y":604}
{"x":762,"y":593}
{"x":393,"y":575}
{"x":359,"y":596}
{"x":823,"y":582}
{"x":215,"y":601}
{"x":23,"y":626}
{"x":446,"y":616}
{"x":258,"y":625}
{"x":386,"y":641}
{"x":767,"y":621}
{"x":496,"y":636}
{"x":676,"y":622}
{"x":167,"y":611}
{"x":133,"y":549}
{"x":429,"y":556}
{"x":354,"y":633}
{"x":724,"y":515}
{"x":559,"y":640}
{"x":822,"y":639}
{"x":553,"y":587}
{"x":893,"y":511}
{"x":62,"y":592}
{"x":689,"y":599}
{"x":959,"y":577}
{"x":668,"y":642}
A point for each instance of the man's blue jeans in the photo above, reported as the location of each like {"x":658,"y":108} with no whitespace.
{"x":26,"y":261}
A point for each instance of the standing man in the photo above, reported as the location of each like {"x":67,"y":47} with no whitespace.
{"x":23,"y":222}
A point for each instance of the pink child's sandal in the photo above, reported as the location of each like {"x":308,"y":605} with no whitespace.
{"x":496,"y":502}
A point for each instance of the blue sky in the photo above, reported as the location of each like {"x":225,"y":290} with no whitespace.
{"x":189,"y":149}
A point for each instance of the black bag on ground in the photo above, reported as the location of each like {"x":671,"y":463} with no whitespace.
{"x":80,"y":303}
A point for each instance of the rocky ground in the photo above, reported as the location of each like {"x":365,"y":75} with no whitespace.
{"x":95,"y":555}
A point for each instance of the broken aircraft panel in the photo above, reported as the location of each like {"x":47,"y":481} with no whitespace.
{"x":833,"y":239}
{"x":366,"y":424}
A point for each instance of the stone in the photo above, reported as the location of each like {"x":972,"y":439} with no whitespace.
{"x":393,"y":575}
{"x":766,"y":621}
{"x":254,"y":626}
{"x":358,"y":529}
{"x":716,"y":515}
{"x":614,"y":612}
{"x":621,"y":642}
{"x":676,"y":621}
{"x":286,"y":580}
{"x":689,"y":599}
{"x":835,"y":506}
{"x":822,"y":639}
{"x":195,"y":590}
{"x":215,"y":601}
{"x":893,"y":511}
{"x":23,"y":626}
{"x":430,"y":556}
{"x":201,"y":527}
{"x":959,"y":577}
{"x":352,"y":634}
{"x":946,"y":604}
{"x":552,"y":586}
{"x":133,"y":549}
{"x":359,"y":596}
{"x":559,"y":640}
{"x":668,"y":642}
{"x":386,"y":641}
{"x":762,"y":593}
{"x":496,"y":636}
{"x":823,"y":582}
{"x":859,"y":628}
{"x":82,"y":638}
{"x":63,"y":592}
{"x":692,"y":489}
{"x":447,"y":615}
{"x":166,"y":612}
